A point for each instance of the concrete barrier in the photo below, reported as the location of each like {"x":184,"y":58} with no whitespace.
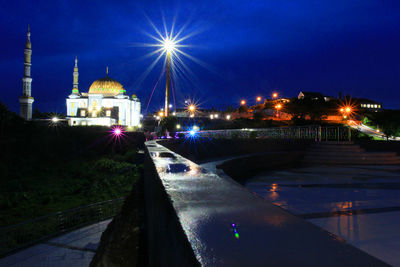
{"x":196,"y":217}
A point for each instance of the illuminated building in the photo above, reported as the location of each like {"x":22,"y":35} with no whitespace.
{"x":26,"y":100}
{"x":106,"y":103}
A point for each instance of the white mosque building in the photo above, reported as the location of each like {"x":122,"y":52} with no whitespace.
{"x":106,"y":103}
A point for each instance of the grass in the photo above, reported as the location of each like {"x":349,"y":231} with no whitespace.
{"x":49,"y":169}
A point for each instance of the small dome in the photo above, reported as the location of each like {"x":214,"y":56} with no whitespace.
{"x":106,"y":86}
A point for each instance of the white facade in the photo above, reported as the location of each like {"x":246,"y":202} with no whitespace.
{"x":97,"y":109}
{"x":105,"y":104}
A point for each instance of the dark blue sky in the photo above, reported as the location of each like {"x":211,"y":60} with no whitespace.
{"x":250,"y":47}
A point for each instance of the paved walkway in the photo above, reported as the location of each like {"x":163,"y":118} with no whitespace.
{"x":361,"y":204}
{"x":76,"y":248}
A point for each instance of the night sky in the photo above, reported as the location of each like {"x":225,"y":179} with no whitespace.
{"x":248,"y":48}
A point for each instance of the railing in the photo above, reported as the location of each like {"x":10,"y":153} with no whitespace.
{"x":29,"y":232}
{"x":314,"y":132}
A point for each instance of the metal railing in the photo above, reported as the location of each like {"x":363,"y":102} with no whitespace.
{"x":314,"y":132}
{"x":21,"y":235}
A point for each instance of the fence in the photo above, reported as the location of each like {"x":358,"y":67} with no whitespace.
{"x":29,"y":232}
{"x":315,"y":132}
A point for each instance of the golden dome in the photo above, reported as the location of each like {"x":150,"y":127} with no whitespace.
{"x":106,"y":86}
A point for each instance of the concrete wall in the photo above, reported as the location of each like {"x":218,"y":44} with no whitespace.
{"x":381,"y":146}
{"x":167,"y":242}
{"x":206,"y":150}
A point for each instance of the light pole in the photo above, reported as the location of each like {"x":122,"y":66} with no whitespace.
{"x":169,"y":46}
{"x":167,"y":84}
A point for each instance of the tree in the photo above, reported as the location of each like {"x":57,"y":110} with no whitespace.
{"x":8,"y":120}
{"x":258,"y":116}
{"x":169,"y":124}
{"x":388,"y":121}
{"x":243,"y":109}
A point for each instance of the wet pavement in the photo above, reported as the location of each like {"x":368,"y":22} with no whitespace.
{"x":76,"y":248}
{"x":358,"y":203}
{"x":226,"y":225}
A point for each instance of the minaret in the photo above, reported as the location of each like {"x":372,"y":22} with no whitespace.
{"x":26,"y":100}
{"x":76,"y":76}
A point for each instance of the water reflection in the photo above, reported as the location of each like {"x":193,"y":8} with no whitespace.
{"x":235,"y":230}
{"x":190,"y":169}
{"x":177,"y":168}
{"x":273,"y":195}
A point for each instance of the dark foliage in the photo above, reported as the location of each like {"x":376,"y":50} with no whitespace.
{"x":47,"y":168}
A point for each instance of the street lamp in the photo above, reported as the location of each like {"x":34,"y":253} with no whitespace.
{"x":243,"y":102}
{"x":274,"y":95}
{"x":258,"y":99}
{"x":192,"y":108}
{"x":278,"y":107}
{"x":169,"y":47}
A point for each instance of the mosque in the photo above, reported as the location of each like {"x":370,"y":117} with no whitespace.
{"x":106,"y":103}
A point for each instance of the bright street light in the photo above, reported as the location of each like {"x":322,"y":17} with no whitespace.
{"x":168,"y":45}
{"x":55,"y":119}
{"x":259,"y":99}
{"x":192,"y":108}
{"x":274,"y":95}
{"x":243,"y":102}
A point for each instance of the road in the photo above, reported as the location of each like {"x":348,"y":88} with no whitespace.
{"x":370,"y":131}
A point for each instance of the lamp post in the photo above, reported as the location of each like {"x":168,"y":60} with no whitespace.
{"x":167,"y":89}
{"x":169,"y":46}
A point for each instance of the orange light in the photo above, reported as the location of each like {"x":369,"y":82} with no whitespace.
{"x":348,"y":109}
{"x":259,"y":99}
{"x":279,"y":106}
{"x":342,"y":109}
{"x":161,"y":114}
{"x":192,"y":108}
{"x":275,"y":95}
{"x":243,"y":102}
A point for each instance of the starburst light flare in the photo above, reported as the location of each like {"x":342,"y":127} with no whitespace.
{"x":168,"y":45}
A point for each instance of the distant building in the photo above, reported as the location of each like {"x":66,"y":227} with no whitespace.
{"x":367,"y":104}
{"x":26,"y":100}
{"x":311,"y":96}
{"x":106,"y":103}
{"x":199,"y":113}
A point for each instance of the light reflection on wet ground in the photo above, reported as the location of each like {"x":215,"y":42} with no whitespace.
{"x":358,"y":203}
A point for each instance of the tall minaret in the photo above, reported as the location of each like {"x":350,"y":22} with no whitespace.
{"x":26,"y":100}
{"x":76,"y":76}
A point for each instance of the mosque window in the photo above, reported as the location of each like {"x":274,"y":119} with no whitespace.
{"x":94,"y":114}
{"x":108,"y":113}
{"x":368,"y":105}
{"x":83,"y":113}
{"x":379,"y":106}
{"x":73,"y":105}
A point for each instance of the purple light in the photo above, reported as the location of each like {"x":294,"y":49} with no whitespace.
{"x":117,"y":131}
